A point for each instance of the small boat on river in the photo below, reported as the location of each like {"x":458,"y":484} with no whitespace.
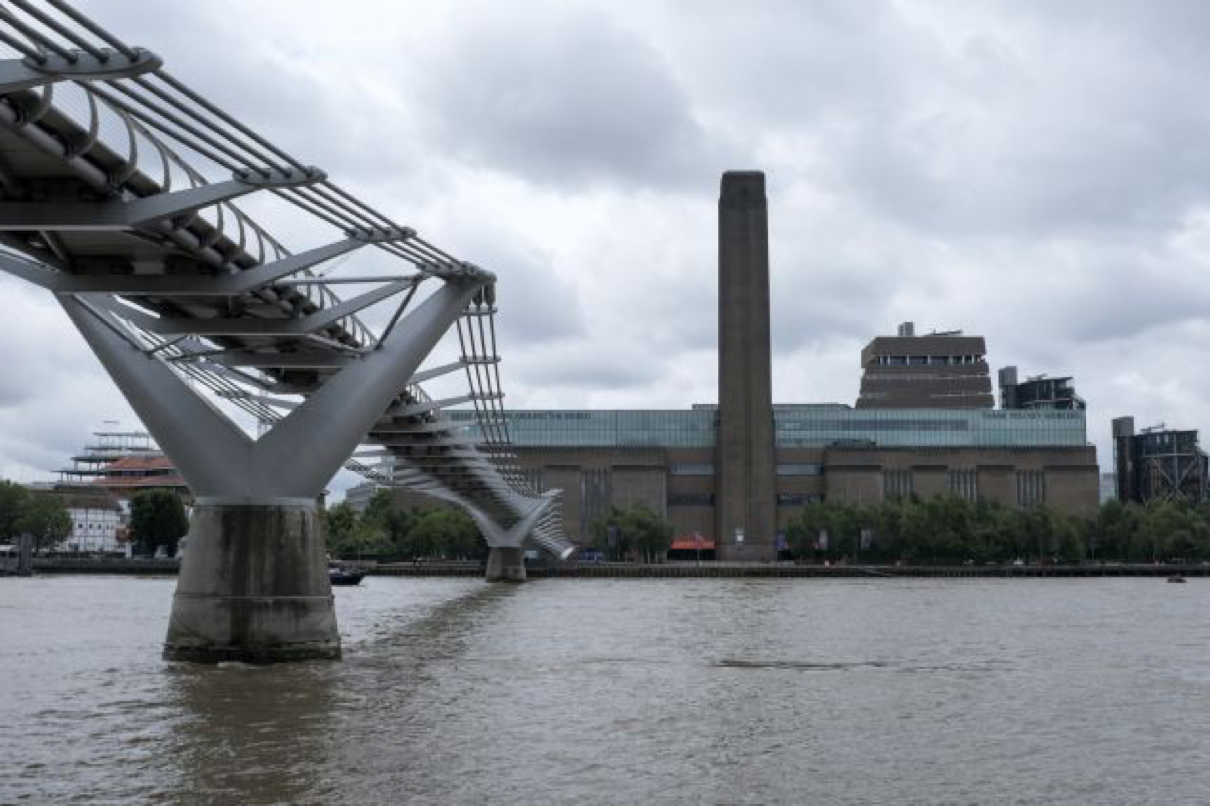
{"x":1177,"y":578}
{"x":339,"y":575}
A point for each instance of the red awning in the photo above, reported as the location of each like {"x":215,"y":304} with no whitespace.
{"x":692,"y":544}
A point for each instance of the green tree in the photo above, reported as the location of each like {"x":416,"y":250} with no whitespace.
{"x":13,"y":500}
{"x":385,"y":527}
{"x":607,"y":536}
{"x":45,"y":519}
{"x":649,"y":535}
{"x":157,"y":518}
{"x":340,"y":525}
{"x":633,"y":530}
{"x":445,"y":533}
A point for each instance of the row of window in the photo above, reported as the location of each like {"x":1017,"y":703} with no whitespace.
{"x":922,"y":376}
{"x":795,"y":427}
{"x":707,"y":499}
{"x":927,"y":360}
{"x":964,"y":484}
{"x":1031,"y":485}
{"x":782,"y":470}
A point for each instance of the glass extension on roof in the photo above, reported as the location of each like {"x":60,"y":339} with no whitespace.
{"x":920,"y":428}
{"x":796,"y":426}
{"x":608,"y":428}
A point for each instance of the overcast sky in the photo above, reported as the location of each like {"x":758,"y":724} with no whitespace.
{"x":1034,"y":172}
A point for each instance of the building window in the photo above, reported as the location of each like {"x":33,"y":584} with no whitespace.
{"x":596,"y":494}
{"x":690,"y":499}
{"x":692,"y":470}
{"x":1031,"y":488}
{"x":795,"y":500}
{"x":964,"y":484}
{"x":896,"y":484}
{"x":799,"y":470}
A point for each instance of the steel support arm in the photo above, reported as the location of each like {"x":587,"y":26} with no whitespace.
{"x":302,"y":451}
{"x":436,"y":372}
{"x":24,"y":74}
{"x":130,"y":214}
{"x":166,"y":285}
{"x":307,"y":447}
{"x":249,"y":326}
{"x":211,"y":453}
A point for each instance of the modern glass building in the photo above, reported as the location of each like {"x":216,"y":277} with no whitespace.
{"x":796,"y":426}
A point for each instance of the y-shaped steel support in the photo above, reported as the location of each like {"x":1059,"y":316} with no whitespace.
{"x":505,"y":557}
{"x":254,"y":583}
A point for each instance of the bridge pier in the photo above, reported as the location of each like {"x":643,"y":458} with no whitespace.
{"x":253,"y":586}
{"x":254,"y":582}
{"x":505,"y":564}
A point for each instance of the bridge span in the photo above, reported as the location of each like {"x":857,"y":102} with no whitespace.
{"x":118,"y":191}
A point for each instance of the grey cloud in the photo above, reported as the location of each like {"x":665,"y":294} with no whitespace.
{"x":1020,"y":169}
{"x":563,"y":97}
{"x":587,"y":365}
{"x":535,"y":302}
{"x":270,"y":71}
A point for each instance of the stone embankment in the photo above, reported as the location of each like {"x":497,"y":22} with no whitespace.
{"x":58,"y":565}
{"x":786,"y":570}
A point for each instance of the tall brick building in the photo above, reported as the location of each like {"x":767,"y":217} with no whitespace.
{"x":734,"y":473}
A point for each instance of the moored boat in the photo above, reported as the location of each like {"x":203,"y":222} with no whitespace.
{"x":339,"y":575}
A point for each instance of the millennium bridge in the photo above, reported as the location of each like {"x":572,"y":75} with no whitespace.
{"x":118,"y":190}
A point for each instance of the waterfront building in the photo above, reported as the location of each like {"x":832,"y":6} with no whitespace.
{"x":98,"y":523}
{"x":102,"y":478}
{"x":1158,"y":464}
{"x":935,"y":371}
{"x":358,"y":496}
{"x":666,"y":459}
{"x":124,"y":462}
{"x":1038,"y":392}
{"x":733,"y":474}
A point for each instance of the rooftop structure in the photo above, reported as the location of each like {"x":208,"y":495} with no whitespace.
{"x":1158,"y":464}
{"x":940,"y":370}
{"x":796,"y":426}
{"x":1038,"y":392}
{"x":123,"y":463}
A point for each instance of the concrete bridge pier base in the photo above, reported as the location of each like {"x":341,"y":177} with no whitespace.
{"x":505,"y":565}
{"x":253,"y":586}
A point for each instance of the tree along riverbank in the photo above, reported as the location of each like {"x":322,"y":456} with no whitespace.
{"x":950,"y":530}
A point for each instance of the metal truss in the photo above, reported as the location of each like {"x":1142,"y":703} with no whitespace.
{"x":118,"y":185}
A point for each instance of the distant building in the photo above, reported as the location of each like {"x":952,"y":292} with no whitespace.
{"x":359,"y":495}
{"x":733,"y":475}
{"x":936,"y":371}
{"x":98,"y":486}
{"x":124,"y":462}
{"x":1039,"y":392}
{"x":1158,"y":464}
{"x":1109,"y":487}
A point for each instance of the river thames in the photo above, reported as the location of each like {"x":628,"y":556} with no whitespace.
{"x":625,"y":691}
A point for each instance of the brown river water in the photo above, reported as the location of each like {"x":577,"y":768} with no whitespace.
{"x":625,"y":691}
